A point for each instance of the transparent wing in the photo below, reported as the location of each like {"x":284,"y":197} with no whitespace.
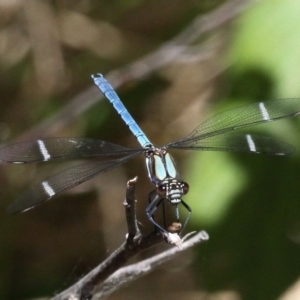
{"x":55,"y":148}
{"x":63,"y":181}
{"x":240,"y":117}
{"x":239,"y":142}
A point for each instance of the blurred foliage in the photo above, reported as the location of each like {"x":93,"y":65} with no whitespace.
{"x":268,"y":40}
{"x":248,"y":204}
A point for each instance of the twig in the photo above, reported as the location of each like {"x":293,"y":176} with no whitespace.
{"x":132,"y":272}
{"x":129,"y":204}
{"x":107,"y":277}
{"x":134,"y":244}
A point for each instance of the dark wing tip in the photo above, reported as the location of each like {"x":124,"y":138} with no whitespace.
{"x":14,"y":209}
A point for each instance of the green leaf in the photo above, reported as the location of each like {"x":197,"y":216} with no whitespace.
{"x":268,"y":38}
{"x":215,"y":180}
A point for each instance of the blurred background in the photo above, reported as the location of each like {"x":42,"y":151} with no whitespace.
{"x":174,"y":64}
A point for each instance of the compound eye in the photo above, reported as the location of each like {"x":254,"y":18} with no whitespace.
{"x":185,"y":188}
{"x":161,"y":190}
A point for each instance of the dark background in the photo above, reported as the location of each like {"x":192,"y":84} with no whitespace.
{"x":248,"y":204}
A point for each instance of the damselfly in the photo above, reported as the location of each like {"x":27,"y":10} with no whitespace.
{"x":217,"y":133}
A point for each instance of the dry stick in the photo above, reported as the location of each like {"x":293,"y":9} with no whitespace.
{"x":133,"y":272}
{"x":98,"y":283}
{"x":134,"y":244}
{"x":139,"y":69}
